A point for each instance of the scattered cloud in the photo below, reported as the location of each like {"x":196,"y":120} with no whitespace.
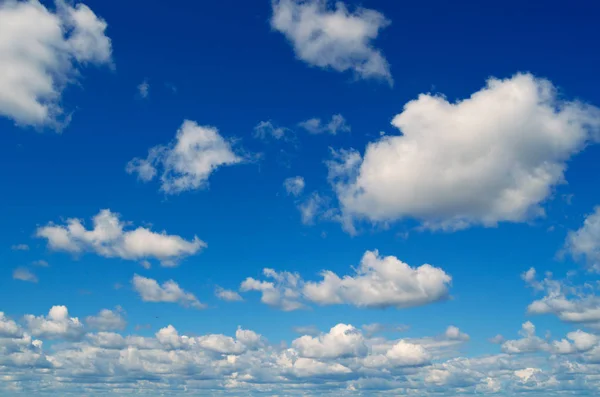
{"x":336,"y":124}
{"x":56,"y":325}
{"x":109,"y":238}
{"x":228,"y":295}
{"x":40,"y":263}
{"x":267,"y":129}
{"x":585,"y":242}
{"x":42,"y":52}
{"x":379,"y":282}
{"x":576,"y":304}
{"x":333,"y":37}
{"x":150,"y":291}
{"x":144,"y":89}
{"x":20,"y":247}
{"x":188,"y":161}
{"x":494,"y":157}
{"x":107,"y":320}
{"x":294,"y":185}
{"x":322,"y":363}
{"x":24,"y":274}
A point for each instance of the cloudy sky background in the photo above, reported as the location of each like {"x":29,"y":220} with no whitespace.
{"x":299,"y":198}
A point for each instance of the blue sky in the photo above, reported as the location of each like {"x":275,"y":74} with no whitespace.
{"x":299,"y":198}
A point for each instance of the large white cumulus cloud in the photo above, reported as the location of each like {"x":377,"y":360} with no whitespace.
{"x":493,"y":157}
{"x":41,"y":52}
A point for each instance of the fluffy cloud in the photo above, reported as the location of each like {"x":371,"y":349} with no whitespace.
{"x":530,"y":343}
{"x":341,"y":341}
{"x":294,"y":185}
{"x":454,"y":333}
{"x":339,"y":362}
{"x":333,"y":37}
{"x":169,"y":291}
{"x":337,"y":123}
{"x":107,"y":320}
{"x":228,"y":295}
{"x":585,"y":242}
{"x":109,"y":238}
{"x":188,"y":161}
{"x":570,"y":303}
{"x":56,"y":325}
{"x":494,"y":157}
{"x":41,"y":52}
{"x":24,"y":274}
{"x":379,"y":282}
{"x":283,"y":292}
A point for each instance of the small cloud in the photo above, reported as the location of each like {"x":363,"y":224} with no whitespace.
{"x":20,"y":247}
{"x":41,"y":263}
{"x":144,"y":89}
{"x":336,"y":124}
{"x":24,"y":274}
{"x":171,"y":87}
{"x":228,"y":295}
{"x":146,"y":264}
{"x":497,"y":340}
{"x":294,"y":185}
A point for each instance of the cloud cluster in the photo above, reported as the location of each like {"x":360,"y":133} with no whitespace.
{"x":576,"y":304}
{"x":41,"y":52}
{"x":379,"y":282}
{"x":333,"y":37}
{"x":340,"y":361}
{"x":188,"y":161}
{"x":109,"y":238}
{"x":494,"y":157}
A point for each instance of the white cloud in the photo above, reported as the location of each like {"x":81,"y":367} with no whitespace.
{"x":24,"y":274}
{"x":228,"y":295}
{"x":294,"y":185}
{"x":41,"y":52}
{"x":144,"y":89}
{"x":169,"y":291}
{"x":453,"y":333}
{"x":283,"y":292}
{"x":107,"y":320}
{"x":576,"y":342}
{"x":336,"y":124}
{"x":311,"y":208}
{"x":188,"y":161}
{"x":341,"y":341}
{"x":171,"y":362}
{"x":585,"y":242}
{"x":41,"y":263}
{"x":401,"y":354}
{"x":9,"y":328}
{"x":266,"y":129}
{"x":530,"y":343}
{"x":381,"y":282}
{"x":20,"y":247}
{"x":571,"y":304}
{"x":57,"y":325}
{"x":333,"y":37}
{"x":494,"y":157}
{"x":109,"y":238}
